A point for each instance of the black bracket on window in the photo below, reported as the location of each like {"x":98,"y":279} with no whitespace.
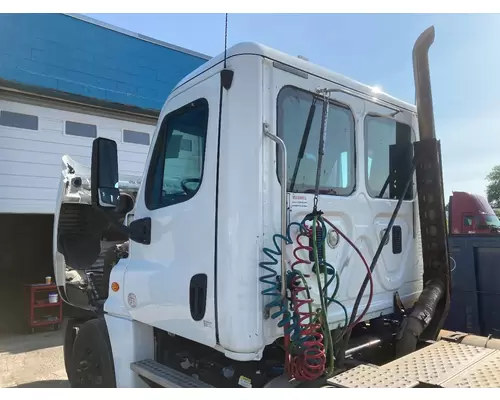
{"x":140,"y":230}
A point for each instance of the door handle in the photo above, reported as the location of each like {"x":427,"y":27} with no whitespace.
{"x":198,"y":296}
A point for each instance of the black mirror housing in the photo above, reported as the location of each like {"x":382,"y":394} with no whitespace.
{"x":104,"y":173}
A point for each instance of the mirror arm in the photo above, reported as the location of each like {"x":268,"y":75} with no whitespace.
{"x":110,"y":216}
{"x":139,"y":231}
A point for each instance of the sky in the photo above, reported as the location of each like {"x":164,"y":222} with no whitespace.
{"x":375,"y":49}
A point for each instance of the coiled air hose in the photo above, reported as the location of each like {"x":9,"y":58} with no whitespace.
{"x":273,"y":281}
{"x":308,"y":357}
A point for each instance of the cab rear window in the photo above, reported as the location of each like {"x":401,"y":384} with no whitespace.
{"x":338,"y":166}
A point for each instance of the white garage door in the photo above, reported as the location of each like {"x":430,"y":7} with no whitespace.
{"x":34,"y":138}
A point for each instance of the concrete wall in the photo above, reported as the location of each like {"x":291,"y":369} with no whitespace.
{"x":60,"y":52}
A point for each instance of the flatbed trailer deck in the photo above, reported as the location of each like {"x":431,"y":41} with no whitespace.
{"x":443,"y":364}
{"x":446,"y":363}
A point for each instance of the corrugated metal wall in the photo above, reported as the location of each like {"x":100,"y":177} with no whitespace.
{"x":57,"y":51}
{"x":30,"y":160}
{"x":65,"y":54}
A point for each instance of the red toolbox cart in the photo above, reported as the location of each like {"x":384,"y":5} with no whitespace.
{"x":43,"y":312}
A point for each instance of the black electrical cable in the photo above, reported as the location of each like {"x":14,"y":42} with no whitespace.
{"x":389,"y":177}
{"x":303,"y":143}
{"x":225,"y":42}
{"x":347,"y":334}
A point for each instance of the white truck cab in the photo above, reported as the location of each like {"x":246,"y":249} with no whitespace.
{"x":187,"y":256}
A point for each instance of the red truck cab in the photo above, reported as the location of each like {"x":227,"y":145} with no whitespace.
{"x":471,"y":214}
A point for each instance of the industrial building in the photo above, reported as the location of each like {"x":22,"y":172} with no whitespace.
{"x":65,"y":80}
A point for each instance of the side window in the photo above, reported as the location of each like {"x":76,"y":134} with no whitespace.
{"x":388,"y":157}
{"x":468,"y":220}
{"x":176,"y":168}
{"x":338,"y":167}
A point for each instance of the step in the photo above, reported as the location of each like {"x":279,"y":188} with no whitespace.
{"x":165,"y":376}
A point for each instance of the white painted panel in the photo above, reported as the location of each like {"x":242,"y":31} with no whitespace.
{"x":30,"y":160}
{"x":49,"y":124}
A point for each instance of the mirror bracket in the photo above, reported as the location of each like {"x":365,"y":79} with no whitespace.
{"x":140,"y":230}
{"x":105,"y":192}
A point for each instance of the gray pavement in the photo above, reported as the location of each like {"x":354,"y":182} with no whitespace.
{"x":33,"y":360}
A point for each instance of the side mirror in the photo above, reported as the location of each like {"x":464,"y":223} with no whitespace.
{"x":104,"y":173}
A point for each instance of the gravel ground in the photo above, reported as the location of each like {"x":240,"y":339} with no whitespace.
{"x":34,"y":360}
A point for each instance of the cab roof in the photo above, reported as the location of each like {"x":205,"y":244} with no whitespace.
{"x":257,"y":49}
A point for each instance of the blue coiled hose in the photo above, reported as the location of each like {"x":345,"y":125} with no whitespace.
{"x":329,"y":271}
{"x":274,"y":281}
{"x":302,"y":336}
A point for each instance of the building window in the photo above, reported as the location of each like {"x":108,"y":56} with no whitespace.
{"x":79,"y":129}
{"x":338,"y":165}
{"x":175,"y":173}
{"x":186,"y":145}
{"x":388,"y":157}
{"x":136,"y":137}
{"x":17,"y":120}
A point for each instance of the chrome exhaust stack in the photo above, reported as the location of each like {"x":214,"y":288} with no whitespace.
{"x":423,"y":92}
{"x":431,"y":309}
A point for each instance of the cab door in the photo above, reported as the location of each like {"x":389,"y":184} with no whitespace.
{"x":399,"y":267}
{"x":294,"y":107}
{"x":169,"y":282}
{"x":344,"y":197}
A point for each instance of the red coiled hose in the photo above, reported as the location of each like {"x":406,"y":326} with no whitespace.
{"x":310,"y":362}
